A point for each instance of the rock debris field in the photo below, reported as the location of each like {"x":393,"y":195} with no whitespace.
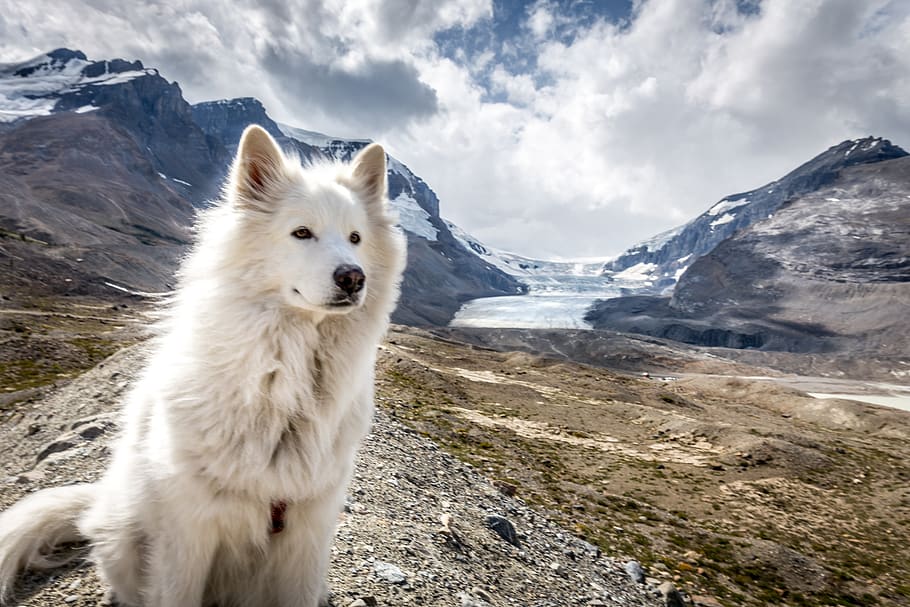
{"x":419,"y":527}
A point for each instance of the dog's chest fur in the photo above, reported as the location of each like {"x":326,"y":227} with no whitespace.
{"x":285,"y":420}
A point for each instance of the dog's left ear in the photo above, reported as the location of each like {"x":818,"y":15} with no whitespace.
{"x":369,"y":173}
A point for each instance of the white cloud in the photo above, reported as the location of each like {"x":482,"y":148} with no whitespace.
{"x":638,"y":129}
{"x":614,"y":132}
{"x":540,"y":20}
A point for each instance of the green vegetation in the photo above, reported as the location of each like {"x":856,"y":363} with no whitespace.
{"x":48,"y":345}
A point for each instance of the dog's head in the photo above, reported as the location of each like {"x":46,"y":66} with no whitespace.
{"x":309,"y":229}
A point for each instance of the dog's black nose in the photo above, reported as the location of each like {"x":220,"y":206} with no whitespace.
{"x":349,"y":278}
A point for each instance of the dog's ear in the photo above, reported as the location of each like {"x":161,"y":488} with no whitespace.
{"x":369,"y":173}
{"x":258,"y":165}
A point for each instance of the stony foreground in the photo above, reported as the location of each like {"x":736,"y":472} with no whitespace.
{"x":420,"y":527}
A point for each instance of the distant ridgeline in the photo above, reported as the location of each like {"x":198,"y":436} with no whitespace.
{"x":667,"y":255}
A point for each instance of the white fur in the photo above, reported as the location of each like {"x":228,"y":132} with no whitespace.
{"x":258,"y":389}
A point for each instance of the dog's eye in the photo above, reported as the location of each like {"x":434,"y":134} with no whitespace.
{"x":355,"y":237}
{"x":302,"y":233}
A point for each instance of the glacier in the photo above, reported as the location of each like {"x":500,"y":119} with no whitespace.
{"x":559,"y":292}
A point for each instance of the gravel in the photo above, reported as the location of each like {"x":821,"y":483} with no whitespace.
{"x":416,"y":529}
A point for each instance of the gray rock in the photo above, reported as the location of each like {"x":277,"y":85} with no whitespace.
{"x":503,"y":528}
{"x":466,"y":600}
{"x":389,"y":572}
{"x":55,"y":447}
{"x":633,"y":568}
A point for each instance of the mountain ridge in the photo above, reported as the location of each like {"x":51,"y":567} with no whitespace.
{"x":168,"y":149}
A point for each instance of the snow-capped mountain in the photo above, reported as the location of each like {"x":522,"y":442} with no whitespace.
{"x":666,"y":256}
{"x":101,"y":163}
{"x":537,"y":271}
{"x":58,"y":82}
{"x":125,"y":93}
{"x":826,"y":272}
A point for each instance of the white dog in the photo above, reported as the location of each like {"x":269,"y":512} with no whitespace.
{"x":239,"y":438}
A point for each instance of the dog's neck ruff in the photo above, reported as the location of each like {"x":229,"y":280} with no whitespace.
{"x":278,"y":510}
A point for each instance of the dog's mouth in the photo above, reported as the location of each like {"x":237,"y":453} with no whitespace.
{"x":346,"y":301}
{"x":340,"y":302}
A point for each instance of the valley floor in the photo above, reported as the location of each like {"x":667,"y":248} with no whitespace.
{"x":742,"y":491}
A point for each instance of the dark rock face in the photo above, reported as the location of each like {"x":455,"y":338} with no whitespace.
{"x":678,"y":249}
{"x":156,"y":113}
{"x":226,"y":118}
{"x":826,"y":272}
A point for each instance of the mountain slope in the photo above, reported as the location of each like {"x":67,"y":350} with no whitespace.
{"x":667,"y":255}
{"x":75,"y":217}
{"x":104,"y":162}
{"x":827,"y":272}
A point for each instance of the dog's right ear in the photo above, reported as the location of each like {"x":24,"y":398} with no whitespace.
{"x":257,"y":167}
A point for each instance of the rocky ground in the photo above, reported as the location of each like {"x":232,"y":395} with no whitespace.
{"x":738,"y":492}
{"x":743,"y":492}
{"x":420,"y":527}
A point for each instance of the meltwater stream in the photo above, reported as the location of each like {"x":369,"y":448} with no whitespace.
{"x":559,"y":295}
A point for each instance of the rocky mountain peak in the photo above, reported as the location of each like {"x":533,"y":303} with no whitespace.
{"x":228,"y":117}
{"x":56,"y":60}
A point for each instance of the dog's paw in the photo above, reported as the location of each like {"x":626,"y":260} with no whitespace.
{"x":327,"y":599}
{"x":110,"y":599}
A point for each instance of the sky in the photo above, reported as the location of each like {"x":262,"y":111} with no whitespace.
{"x":550,"y":129}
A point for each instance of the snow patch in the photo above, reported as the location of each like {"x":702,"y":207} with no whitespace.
{"x":37,"y":93}
{"x":657,"y":242}
{"x":638,"y":272}
{"x":413,"y":218}
{"x":314,"y":138}
{"x":13,"y":107}
{"x":725,"y":218}
{"x":119,"y":78}
{"x":727,"y":204}
{"x":132,"y":291}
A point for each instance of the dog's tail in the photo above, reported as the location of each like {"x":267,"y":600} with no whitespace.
{"x":30,"y":530}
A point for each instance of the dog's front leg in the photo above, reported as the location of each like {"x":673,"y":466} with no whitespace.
{"x":299,"y":556}
{"x":180,"y":560}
